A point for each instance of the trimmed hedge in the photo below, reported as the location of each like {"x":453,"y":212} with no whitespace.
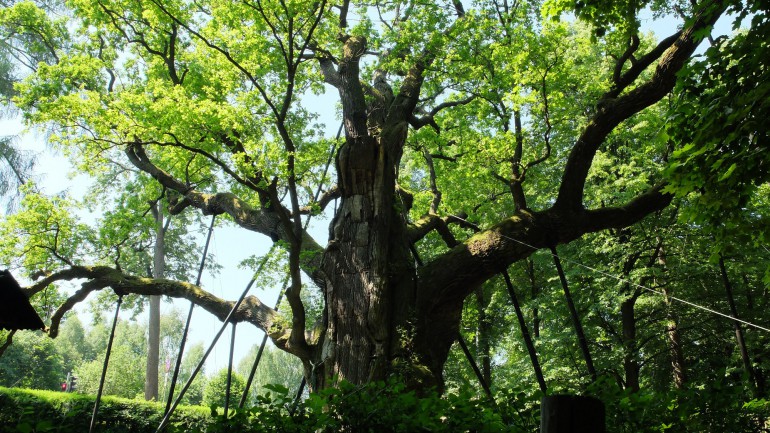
{"x":381,"y":407}
{"x":26,"y":410}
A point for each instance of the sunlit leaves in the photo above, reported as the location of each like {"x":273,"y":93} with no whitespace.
{"x":44,"y":234}
{"x":719,"y":127}
{"x":30,"y":35}
{"x":606,"y":16}
{"x":204,"y":85}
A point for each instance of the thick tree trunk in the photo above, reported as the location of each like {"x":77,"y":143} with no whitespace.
{"x":368,"y":279}
{"x":367,"y":273}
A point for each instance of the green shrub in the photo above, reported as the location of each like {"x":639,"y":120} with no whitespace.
{"x":214,"y":390}
{"x":382,"y":407}
{"x":23,"y":411}
{"x":717,"y":407}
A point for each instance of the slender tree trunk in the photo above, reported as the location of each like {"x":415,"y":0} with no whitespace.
{"x":749,"y":294}
{"x":630,"y":349}
{"x":737,"y":325}
{"x":535,"y":291}
{"x":483,"y":328}
{"x":582,"y":341}
{"x":628,"y":324}
{"x":153,"y":326}
{"x":759,"y":375}
{"x":153,"y":350}
{"x":678,"y":370}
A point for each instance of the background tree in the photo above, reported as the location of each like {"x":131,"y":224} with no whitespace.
{"x":72,"y":344}
{"x":31,"y":362}
{"x":214,"y":393}
{"x":16,"y":165}
{"x":276,"y":367}
{"x":124,"y":377}
{"x":190,"y":360}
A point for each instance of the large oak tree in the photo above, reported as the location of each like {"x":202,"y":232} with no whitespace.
{"x":476,"y":125}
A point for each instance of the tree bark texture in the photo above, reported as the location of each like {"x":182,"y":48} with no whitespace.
{"x":366,"y":271}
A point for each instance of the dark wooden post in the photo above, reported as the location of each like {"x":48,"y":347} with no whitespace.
{"x":571,"y":414}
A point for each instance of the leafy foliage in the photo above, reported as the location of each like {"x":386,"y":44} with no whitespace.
{"x":31,"y":362}
{"x":276,"y":367}
{"x":377,"y":407}
{"x":25,"y":411}
{"x":215,"y":392}
{"x":719,"y":125}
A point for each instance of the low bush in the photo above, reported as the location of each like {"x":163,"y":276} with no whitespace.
{"x":381,"y":407}
{"x":25,"y":411}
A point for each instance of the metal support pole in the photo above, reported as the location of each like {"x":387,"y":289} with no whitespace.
{"x":104,"y":368}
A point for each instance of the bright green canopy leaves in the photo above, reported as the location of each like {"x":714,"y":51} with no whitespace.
{"x":45,"y":234}
{"x":146,"y":72}
{"x":611,"y":15}
{"x":720,"y":124}
{"x":30,"y":35}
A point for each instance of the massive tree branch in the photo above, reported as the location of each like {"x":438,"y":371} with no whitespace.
{"x":327,"y":197}
{"x":258,"y":220}
{"x":251,"y":310}
{"x":350,"y":88}
{"x":451,"y":277}
{"x":329,"y":71}
{"x":612,"y":111}
{"x":623,"y":80}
